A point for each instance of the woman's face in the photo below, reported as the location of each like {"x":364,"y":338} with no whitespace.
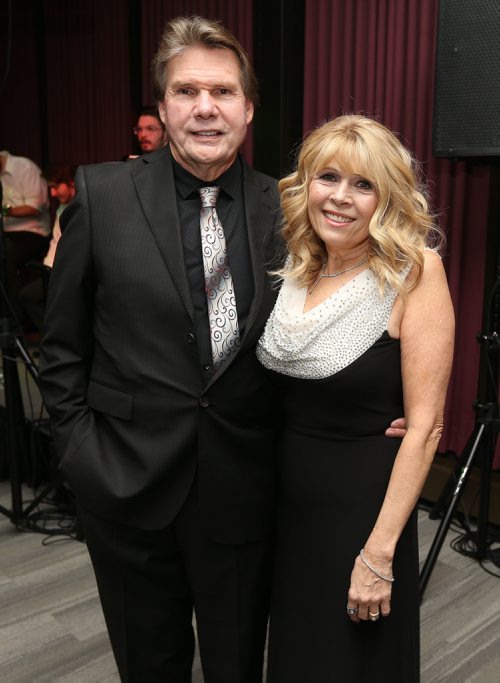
{"x":340,"y":206}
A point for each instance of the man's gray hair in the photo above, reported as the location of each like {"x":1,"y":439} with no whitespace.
{"x":182,"y":33}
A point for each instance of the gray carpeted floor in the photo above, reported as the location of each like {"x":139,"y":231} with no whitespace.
{"x":52,"y":630}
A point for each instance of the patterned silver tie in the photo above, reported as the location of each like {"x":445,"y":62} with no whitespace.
{"x":222,"y":314}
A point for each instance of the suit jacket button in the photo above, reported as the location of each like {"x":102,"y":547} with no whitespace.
{"x":204,"y":402}
{"x":207,"y":367}
{"x":190,"y":338}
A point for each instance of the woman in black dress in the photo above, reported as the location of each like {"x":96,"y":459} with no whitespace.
{"x":362,"y":332}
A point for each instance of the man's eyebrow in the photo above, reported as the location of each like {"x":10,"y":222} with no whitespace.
{"x":229,"y":84}
{"x":184,"y":84}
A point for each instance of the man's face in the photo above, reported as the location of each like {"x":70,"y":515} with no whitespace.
{"x":205,"y":111}
{"x":64,"y":192}
{"x":150,"y":133}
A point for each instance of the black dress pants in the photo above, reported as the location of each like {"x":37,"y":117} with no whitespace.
{"x":150,"y":580}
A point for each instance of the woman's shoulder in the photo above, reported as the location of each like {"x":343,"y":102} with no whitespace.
{"x":433,"y":284}
{"x":431,"y":256}
{"x":433,"y":264}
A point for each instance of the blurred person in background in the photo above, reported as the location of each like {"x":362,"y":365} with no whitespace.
{"x":150,"y":131}
{"x":26,"y":219}
{"x":60,"y":178}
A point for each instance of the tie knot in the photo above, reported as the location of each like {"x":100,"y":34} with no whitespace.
{"x":209,"y":196}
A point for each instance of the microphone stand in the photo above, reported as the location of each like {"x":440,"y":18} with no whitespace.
{"x":18,"y":446}
{"x":17,"y":443}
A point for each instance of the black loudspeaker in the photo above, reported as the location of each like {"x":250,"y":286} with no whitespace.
{"x":467,"y":91}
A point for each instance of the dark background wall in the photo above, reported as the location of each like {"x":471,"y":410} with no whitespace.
{"x":74,"y":74}
{"x":77,"y":72}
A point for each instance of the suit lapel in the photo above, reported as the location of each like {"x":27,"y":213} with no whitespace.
{"x":261,"y":216}
{"x":154,"y":182}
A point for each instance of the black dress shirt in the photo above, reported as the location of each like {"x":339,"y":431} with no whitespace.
{"x":231,"y":213}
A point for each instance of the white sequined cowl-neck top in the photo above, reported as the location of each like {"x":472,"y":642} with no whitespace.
{"x":330,"y":336}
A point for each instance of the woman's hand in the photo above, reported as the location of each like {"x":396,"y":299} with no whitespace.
{"x":397,"y":428}
{"x":369,"y":595}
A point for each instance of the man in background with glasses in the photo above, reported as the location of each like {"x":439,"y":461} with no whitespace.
{"x":150,"y":131}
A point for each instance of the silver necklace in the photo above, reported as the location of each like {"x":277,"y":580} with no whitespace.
{"x":340,"y":272}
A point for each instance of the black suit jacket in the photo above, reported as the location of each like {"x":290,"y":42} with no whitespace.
{"x":133,"y":417}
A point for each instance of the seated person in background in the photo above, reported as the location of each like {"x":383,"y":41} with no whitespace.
{"x":26,"y":221}
{"x":60,"y":179}
{"x":150,"y":131}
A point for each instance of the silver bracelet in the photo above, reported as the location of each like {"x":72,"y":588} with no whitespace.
{"x":375,"y":571}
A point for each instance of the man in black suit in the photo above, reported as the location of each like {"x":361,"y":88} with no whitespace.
{"x":167,"y":444}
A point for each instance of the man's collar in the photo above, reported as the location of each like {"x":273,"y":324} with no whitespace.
{"x":187,"y":184}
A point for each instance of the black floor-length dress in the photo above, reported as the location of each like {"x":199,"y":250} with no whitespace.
{"x":334,"y":468}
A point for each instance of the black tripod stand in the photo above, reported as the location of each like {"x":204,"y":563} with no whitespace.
{"x":16,"y":435}
{"x":480,"y":446}
{"x":17,"y":441}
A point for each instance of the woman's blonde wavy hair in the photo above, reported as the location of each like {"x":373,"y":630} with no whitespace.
{"x":401,"y":226}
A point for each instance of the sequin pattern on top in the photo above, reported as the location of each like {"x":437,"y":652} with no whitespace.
{"x":330,"y":336}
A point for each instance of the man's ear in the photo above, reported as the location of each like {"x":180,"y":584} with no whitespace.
{"x":249,"y":109}
{"x":161,"y":111}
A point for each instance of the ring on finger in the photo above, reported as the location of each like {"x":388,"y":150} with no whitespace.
{"x":351,"y":611}
{"x":373,"y":616}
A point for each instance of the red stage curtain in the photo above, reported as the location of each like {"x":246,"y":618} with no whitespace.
{"x":20,"y":115}
{"x":88,"y":83}
{"x":235,"y":15}
{"x":377,"y":57}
